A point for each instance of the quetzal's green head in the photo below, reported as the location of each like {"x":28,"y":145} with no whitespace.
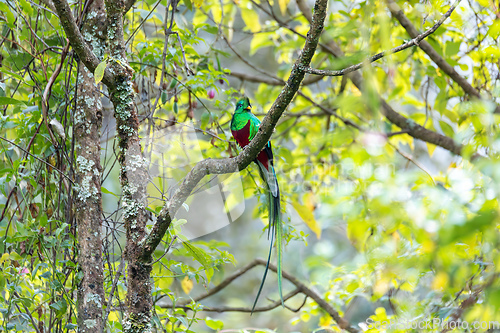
{"x":243,"y":105}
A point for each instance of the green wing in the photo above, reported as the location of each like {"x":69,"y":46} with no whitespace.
{"x":254,"y":126}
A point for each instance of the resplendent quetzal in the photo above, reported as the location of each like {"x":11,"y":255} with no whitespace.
{"x":244,"y":126}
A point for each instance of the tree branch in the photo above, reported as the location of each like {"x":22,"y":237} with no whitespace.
{"x":300,"y":288}
{"x":271,"y":81}
{"x":77,"y":41}
{"x":219,"y":309}
{"x":407,"y":125}
{"x":344,"y":324}
{"x":398,"y":13}
{"x":419,"y":132}
{"x":128,"y":5}
{"x":415,"y":41}
{"x":49,"y":5}
{"x":230,"y":165}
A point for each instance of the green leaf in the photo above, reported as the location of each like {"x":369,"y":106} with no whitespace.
{"x":447,"y":129}
{"x":493,"y":297}
{"x":2,"y":281}
{"x":60,"y":307}
{"x":209,"y":273}
{"x":173,"y":83}
{"x":259,"y":41}
{"x":10,"y":18}
{"x":307,"y":215}
{"x":283,"y":4}
{"x":99,"y":72}
{"x":10,"y":101}
{"x":214,"y":30}
{"x":188,"y":4}
{"x":452,"y":48}
{"x":164,"y":97}
{"x":494,"y":29}
{"x":23,"y":300}
{"x":251,"y":19}
{"x":26,"y":7}
{"x":105,"y":190}
{"x":196,"y":253}
{"x":9,"y":73}
{"x":205,"y":118}
{"x":214,"y":324}
{"x":15,"y":256}
{"x":457,"y":232}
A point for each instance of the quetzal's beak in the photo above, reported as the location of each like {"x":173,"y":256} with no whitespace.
{"x":248,"y":108}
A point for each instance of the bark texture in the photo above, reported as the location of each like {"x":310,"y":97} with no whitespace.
{"x":87,"y":133}
{"x":133,"y":176}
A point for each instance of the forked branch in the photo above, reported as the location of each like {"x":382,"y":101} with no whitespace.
{"x":415,"y":41}
{"x":230,"y":165}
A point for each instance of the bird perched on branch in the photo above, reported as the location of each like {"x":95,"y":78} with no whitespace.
{"x":244,"y":126}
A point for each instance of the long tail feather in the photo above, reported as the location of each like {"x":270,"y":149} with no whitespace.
{"x":279,"y":241}
{"x":275,"y":226}
{"x":265,"y":274}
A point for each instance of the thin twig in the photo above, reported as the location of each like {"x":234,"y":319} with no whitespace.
{"x":113,"y":287}
{"x":166,"y":251}
{"x":413,"y":42}
{"x":168,"y":32}
{"x":47,"y":92}
{"x":37,"y":158}
{"x":266,"y":308}
{"x":412,"y":160}
{"x":142,"y":22}
{"x":188,"y":70}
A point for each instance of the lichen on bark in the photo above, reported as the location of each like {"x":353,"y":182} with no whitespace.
{"x":88,"y":201}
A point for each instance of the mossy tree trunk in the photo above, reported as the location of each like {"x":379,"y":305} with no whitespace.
{"x":88,"y":198}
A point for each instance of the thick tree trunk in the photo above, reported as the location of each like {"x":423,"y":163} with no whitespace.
{"x":87,"y":133}
{"x":134,"y":179}
{"x":133,"y":176}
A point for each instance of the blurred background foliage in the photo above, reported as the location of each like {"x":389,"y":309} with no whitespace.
{"x":382,"y":226}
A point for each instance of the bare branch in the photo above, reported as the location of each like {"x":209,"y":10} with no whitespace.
{"x":39,"y":159}
{"x":467,"y":303}
{"x":344,"y":324}
{"x":265,"y":308}
{"x":398,"y":13}
{"x":47,"y":3}
{"x":415,"y":130}
{"x":113,"y":287}
{"x":415,"y":41}
{"x":271,"y":81}
{"x":300,"y":288}
{"x":412,"y":160}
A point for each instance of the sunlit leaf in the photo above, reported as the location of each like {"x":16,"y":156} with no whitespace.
{"x":307,"y":216}
{"x":251,"y":19}
{"x":11,"y":101}
{"x":214,"y":324}
{"x":99,"y":71}
{"x":187,"y":285}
